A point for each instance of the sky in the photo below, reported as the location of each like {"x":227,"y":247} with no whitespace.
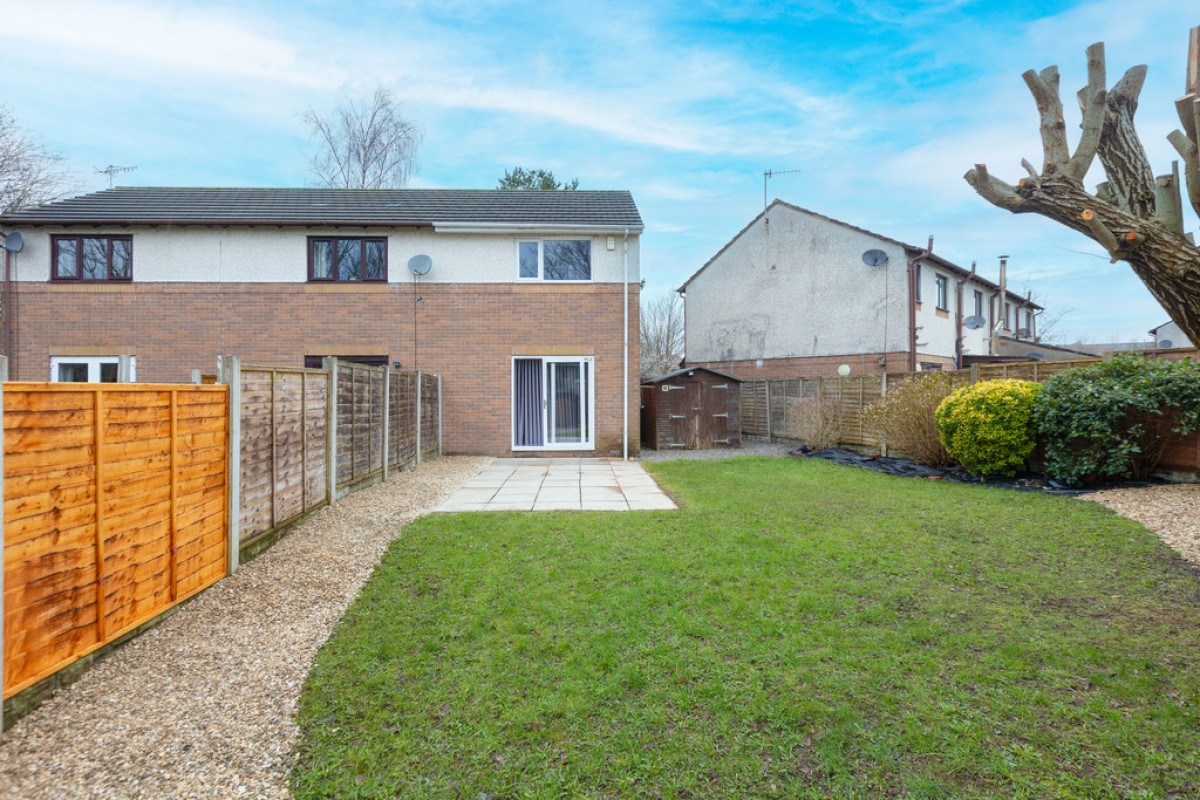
{"x":869,"y":112}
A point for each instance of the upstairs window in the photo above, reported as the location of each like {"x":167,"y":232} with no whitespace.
{"x":943,"y":291}
{"x":91,"y":258}
{"x":555,"y":260}
{"x":347,"y":259}
{"x":978,"y":303}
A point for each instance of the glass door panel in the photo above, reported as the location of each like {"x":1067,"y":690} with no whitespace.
{"x":567,"y":411}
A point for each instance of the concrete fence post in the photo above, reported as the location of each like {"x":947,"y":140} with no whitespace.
{"x":229,"y":371}
{"x":387,"y":415}
{"x":419,"y":388}
{"x":974,"y":373}
{"x":330,"y":365}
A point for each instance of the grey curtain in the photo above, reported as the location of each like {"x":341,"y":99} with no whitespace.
{"x":527,"y":410}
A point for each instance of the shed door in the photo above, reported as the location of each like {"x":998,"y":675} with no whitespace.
{"x":714,"y":415}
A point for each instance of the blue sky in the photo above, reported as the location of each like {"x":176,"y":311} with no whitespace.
{"x":881,"y":106}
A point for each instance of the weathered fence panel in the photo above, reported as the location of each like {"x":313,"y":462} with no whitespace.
{"x":283,"y":446}
{"x":430,"y":409}
{"x":402,"y":415}
{"x":114,"y":510}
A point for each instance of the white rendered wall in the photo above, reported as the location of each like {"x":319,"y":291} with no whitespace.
{"x":272,"y":255}
{"x":793,"y":286}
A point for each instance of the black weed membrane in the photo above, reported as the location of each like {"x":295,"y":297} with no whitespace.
{"x":907,"y":468}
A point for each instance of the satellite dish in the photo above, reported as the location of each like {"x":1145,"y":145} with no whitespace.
{"x":875,"y":258}
{"x":1032,"y":356}
{"x":420,"y":265}
{"x":1166,"y":343}
{"x":844,"y":369}
{"x":14,"y":242}
{"x":974,"y":322}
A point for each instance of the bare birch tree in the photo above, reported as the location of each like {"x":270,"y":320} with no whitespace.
{"x":29,"y":173}
{"x":364,"y":146}
{"x":661,"y":334}
{"x":1135,"y":216}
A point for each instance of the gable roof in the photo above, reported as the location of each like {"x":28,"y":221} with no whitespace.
{"x":689,"y":371}
{"x":911,"y":250}
{"x":448,"y":208}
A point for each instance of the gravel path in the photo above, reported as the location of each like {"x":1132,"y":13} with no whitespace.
{"x":203,"y":706}
{"x":750,"y":447}
{"x":1173,"y":512}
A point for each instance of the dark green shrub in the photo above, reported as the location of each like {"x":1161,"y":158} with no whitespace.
{"x":904,"y":418}
{"x":986,"y":426}
{"x":1114,"y":419}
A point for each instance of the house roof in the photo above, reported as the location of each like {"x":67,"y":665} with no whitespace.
{"x":449,"y":208}
{"x":910,"y":249}
{"x":688,"y":371}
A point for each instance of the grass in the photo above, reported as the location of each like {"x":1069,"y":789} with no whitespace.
{"x":797,"y":629}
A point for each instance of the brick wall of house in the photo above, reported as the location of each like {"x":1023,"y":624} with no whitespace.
{"x":467,"y":333}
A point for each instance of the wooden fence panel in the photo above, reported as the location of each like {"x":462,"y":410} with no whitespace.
{"x":429,"y":415}
{"x":114,"y":511}
{"x":402,"y":427}
{"x":283,"y":446}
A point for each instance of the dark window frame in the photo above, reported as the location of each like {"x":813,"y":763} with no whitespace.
{"x":333,"y":264}
{"x":77,"y":238}
{"x":978,"y":303}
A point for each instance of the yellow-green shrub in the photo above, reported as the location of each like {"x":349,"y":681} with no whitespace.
{"x":987,"y":427}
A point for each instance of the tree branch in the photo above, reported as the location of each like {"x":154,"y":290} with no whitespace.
{"x":1191,"y":165}
{"x":994,"y":190}
{"x":1125,"y":163}
{"x":1093,"y":101}
{"x":1044,"y":88}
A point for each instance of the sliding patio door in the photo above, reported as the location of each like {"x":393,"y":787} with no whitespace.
{"x":553,"y":403}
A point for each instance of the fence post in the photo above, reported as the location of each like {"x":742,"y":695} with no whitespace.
{"x":229,"y":370}
{"x":387,"y":416}
{"x":439,"y":412}
{"x":974,"y":373}
{"x":331,"y":422}
{"x":419,"y":390}
{"x":883,"y":394}
{"x":768,"y":385}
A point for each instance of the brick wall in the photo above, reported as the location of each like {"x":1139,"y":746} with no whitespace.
{"x":467,"y":333}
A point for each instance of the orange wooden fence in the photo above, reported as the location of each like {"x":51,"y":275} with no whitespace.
{"x":114,"y":511}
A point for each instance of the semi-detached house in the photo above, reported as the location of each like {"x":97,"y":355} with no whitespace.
{"x":527,"y":308}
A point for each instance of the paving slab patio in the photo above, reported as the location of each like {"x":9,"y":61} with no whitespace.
{"x":559,"y":484}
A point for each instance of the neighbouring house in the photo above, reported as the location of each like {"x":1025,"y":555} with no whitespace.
{"x":526,"y":303}
{"x":1170,"y":336}
{"x":798,"y":294}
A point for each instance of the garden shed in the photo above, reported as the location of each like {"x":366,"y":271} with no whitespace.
{"x":692,"y":409}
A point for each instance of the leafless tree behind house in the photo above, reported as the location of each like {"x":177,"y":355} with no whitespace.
{"x":29,"y":173}
{"x":364,"y":146}
{"x":661,"y":334}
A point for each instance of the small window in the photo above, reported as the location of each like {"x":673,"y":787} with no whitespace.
{"x":91,"y":258}
{"x":1008,"y":316}
{"x":943,"y":291}
{"x":917,"y":282}
{"x":89,"y":369}
{"x":349,"y":259}
{"x":555,"y":260}
{"x":978,"y":303}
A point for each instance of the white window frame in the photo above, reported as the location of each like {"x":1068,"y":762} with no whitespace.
{"x":93,"y":364}
{"x":548,"y":404}
{"x":541,"y":266}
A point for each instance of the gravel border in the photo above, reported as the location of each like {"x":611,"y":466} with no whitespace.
{"x":750,"y":447}
{"x":204,"y":705}
{"x":1171,"y":511}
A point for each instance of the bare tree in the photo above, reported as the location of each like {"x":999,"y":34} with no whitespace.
{"x":29,"y":173}
{"x":1133,"y":215}
{"x":369,"y":146}
{"x":661,"y":334}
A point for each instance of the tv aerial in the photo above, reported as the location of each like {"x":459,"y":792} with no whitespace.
{"x":112,"y":170}
{"x":875,"y":258}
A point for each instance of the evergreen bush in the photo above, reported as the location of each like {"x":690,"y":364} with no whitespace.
{"x":987,"y":427}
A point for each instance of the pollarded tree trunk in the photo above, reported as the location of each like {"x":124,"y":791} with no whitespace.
{"x":1133,"y":215}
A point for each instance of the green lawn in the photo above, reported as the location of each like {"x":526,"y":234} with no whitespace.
{"x":797,"y":629}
